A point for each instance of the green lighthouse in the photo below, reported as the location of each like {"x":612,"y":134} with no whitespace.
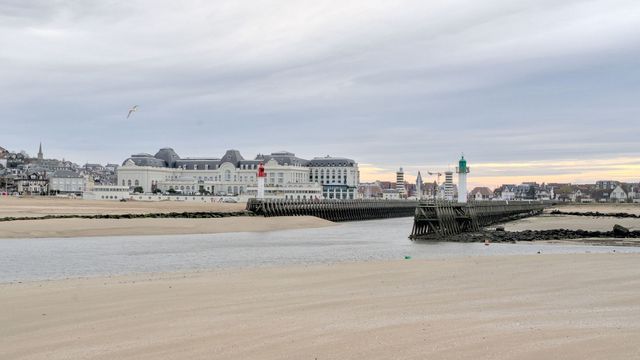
{"x":462,"y":171}
{"x":462,"y":166}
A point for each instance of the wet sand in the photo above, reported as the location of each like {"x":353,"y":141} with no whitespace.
{"x":518,"y":307}
{"x":50,"y":228}
{"x":550,"y":222}
{"x":604,"y":208}
{"x":41,"y":206}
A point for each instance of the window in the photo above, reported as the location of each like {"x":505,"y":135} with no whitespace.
{"x":137,"y":183}
{"x":128,"y":182}
{"x":227,"y":175}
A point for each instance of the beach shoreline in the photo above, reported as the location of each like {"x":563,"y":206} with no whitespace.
{"x":576,"y":306}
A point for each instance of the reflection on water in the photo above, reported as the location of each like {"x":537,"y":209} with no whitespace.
{"x":40,"y":259}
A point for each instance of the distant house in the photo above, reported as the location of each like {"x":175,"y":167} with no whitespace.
{"x":506,"y":192}
{"x":618,"y":194}
{"x":481,"y":193}
{"x":391,"y":194}
{"x":33,"y":182}
{"x":369,"y":190}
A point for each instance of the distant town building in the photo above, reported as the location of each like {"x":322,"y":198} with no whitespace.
{"x":66,"y":182}
{"x":391,"y":194}
{"x":419,"y":187}
{"x":33,"y":182}
{"x":106,"y":192}
{"x":400,"y":188}
{"x":338,"y":176}
{"x":370,"y":190}
{"x":606,"y":184}
{"x":449,"y":190}
{"x":287,"y":175}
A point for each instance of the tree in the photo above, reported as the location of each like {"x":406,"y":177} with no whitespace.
{"x":157,"y":191}
{"x":171,"y":191}
{"x":138,"y":190}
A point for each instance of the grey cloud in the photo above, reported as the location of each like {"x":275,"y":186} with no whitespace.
{"x":386,"y":83}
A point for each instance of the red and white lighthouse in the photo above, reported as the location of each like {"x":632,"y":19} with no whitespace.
{"x":261,"y":177}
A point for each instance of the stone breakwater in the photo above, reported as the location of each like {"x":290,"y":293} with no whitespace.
{"x":185,"y":215}
{"x":501,"y":236}
{"x":596,"y":214}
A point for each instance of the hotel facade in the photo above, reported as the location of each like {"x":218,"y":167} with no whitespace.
{"x":288,"y":176}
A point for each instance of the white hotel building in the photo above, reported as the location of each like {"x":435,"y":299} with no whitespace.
{"x":287,"y":175}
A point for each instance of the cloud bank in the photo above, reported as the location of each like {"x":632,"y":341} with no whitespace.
{"x":390,"y":84}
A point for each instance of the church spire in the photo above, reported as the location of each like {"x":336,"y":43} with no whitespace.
{"x":40,"y":155}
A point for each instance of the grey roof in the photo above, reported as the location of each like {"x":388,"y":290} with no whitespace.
{"x":232,"y":156}
{"x":168,"y":155}
{"x":331,"y":161}
{"x":65,"y":174}
{"x":283,"y":158}
{"x":146,"y":160}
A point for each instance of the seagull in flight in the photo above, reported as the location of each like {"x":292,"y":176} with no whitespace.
{"x":132,"y":110}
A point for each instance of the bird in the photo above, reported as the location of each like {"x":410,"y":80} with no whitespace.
{"x":132,"y":110}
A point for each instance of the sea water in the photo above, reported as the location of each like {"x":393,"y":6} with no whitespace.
{"x":58,"y":258}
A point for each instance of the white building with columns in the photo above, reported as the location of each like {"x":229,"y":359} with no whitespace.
{"x":232,"y":175}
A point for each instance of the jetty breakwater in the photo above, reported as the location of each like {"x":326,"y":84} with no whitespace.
{"x":334,"y":210}
{"x":443,"y":219}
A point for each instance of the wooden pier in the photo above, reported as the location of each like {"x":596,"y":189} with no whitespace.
{"x":438,"y":219}
{"x":334,"y":210}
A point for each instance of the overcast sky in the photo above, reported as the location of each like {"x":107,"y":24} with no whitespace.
{"x":543,"y":90}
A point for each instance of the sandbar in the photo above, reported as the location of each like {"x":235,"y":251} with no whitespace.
{"x":57,"y":228}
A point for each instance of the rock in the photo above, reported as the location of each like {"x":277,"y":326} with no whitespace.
{"x":499,"y":228}
{"x":620,"y":231}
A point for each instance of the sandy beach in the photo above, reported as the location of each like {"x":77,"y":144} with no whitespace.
{"x":41,"y":206}
{"x":603,"y":207}
{"x":36,"y":207}
{"x":50,"y":228}
{"x":519,"y":307}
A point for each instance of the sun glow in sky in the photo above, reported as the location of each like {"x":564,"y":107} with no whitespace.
{"x":539,"y":90}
